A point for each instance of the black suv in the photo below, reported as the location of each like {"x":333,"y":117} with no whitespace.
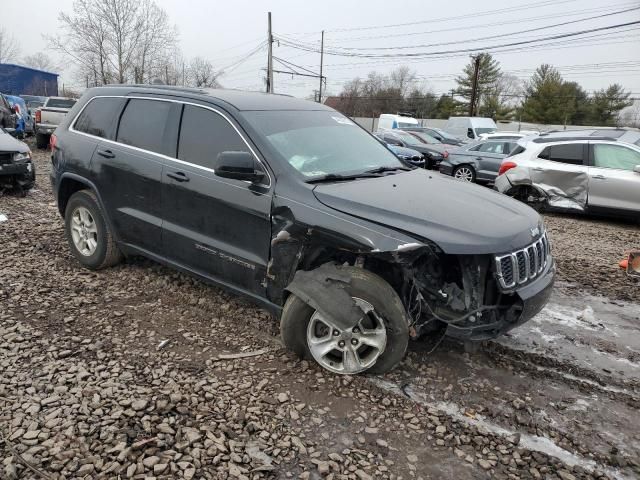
{"x":292,"y":204}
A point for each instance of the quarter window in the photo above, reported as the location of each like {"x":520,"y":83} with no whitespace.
{"x":204,"y":134}
{"x":615,"y":156}
{"x":571,"y":153}
{"x":98,"y":117}
{"x":144,"y":125}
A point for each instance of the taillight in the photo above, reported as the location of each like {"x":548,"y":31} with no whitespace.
{"x":38,"y":116}
{"x":53,"y":141}
{"x":506,"y":166}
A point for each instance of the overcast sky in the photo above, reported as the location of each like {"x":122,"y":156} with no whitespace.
{"x":223,"y":32}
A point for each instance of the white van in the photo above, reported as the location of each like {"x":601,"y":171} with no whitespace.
{"x":471,"y":128}
{"x":388,"y":121}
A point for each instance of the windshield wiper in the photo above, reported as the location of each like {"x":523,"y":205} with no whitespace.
{"x":335,"y":177}
{"x":387,"y":169}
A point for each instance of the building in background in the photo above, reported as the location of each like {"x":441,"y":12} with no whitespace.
{"x":19,"y":80}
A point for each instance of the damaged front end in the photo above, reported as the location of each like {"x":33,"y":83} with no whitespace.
{"x":566,"y":190}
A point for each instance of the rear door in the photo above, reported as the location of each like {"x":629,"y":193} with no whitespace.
{"x":562,"y":170}
{"x":612,"y":182}
{"x":129,"y":170}
{"x":489,"y":156}
{"x":217,"y":227}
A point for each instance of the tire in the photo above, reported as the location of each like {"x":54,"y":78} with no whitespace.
{"x":374,"y":291}
{"x":42,"y":141}
{"x":465,"y":173}
{"x":105,"y":253}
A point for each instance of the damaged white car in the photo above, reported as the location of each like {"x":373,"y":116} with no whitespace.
{"x":574,"y":173}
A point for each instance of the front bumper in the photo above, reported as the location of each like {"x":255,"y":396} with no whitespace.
{"x":16,"y":169}
{"x":531,"y":300}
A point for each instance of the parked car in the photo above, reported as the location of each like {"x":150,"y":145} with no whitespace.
{"x":585,"y":174}
{"x":49,"y":116}
{"x":16,"y":167}
{"x":34,"y":101}
{"x":437,"y":133}
{"x":409,"y":155}
{"x":400,"y":138}
{"x":7,"y":113}
{"x":432,"y":142}
{"x":293,"y":205}
{"x":470,"y":127}
{"x":477,"y":162}
{"x":507,"y":135}
{"x":389,"y":122}
{"x":25,"y":123}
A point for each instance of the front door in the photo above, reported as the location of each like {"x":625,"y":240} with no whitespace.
{"x":612,"y":182}
{"x":217,"y":227}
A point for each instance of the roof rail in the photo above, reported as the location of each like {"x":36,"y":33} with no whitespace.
{"x":541,"y":139}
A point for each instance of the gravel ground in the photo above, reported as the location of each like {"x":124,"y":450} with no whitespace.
{"x":127,"y":373}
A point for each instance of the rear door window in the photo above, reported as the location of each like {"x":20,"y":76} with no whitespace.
{"x":615,"y":156}
{"x":491,"y":147}
{"x":571,"y":153}
{"x":204,"y":134}
{"x":99,"y":117}
{"x":144,"y":124}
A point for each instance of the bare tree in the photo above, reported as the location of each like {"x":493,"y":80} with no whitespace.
{"x":115,"y":40}
{"x":9,"y":48}
{"x":41,"y":61}
{"x":202,"y":74}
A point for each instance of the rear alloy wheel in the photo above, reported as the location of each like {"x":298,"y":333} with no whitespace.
{"x":376,"y":344}
{"x":465,"y":173}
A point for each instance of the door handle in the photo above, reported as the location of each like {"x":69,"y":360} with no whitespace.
{"x":598,"y":177}
{"x":178,"y":176}
{"x":106,"y":153}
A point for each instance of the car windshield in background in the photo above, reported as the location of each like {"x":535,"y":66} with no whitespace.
{"x":61,"y":103}
{"x":480,"y":131}
{"x":426,"y":138}
{"x":445,"y":134}
{"x":319,"y":143}
{"x":407,"y":138}
{"x":406,"y":125}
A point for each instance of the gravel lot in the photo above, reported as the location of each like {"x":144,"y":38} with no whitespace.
{"x":125,"y":374}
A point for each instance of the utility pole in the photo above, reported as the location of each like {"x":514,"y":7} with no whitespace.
{"x":321,"y":58}
{"x":474,"y":88}
{"x":270,"y":58}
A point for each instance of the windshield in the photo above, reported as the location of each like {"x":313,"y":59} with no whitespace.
{"x":318,"y":143}
{"x":480,"y":131}
{"x":408,"y":138}
{"x":61,"y":102}
{"x":444,"y":134}
{"x":405,"y":125}
{"x":426,"y":138}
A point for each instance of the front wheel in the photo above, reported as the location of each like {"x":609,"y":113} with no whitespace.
{"x":375,"y":345}
{"x":465,"y":173}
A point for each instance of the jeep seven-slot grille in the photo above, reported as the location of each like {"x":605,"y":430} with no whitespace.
{"x":523,"y":265}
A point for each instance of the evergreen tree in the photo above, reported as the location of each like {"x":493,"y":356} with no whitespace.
{"x":607,"y":103}
{"x":488,"y":76}
{"x":544,"y":102}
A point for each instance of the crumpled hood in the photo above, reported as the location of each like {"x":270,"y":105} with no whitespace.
{"x":10,"y":144}
{"x":460,"y":218}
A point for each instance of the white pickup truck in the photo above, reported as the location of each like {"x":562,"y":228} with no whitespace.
{"x":49,"y":116}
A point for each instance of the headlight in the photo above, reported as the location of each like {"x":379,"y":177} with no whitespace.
{"x":22,"y":157}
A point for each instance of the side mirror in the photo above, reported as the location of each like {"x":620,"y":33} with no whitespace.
{"x":239,"y":166}
{"x":636,"y":169}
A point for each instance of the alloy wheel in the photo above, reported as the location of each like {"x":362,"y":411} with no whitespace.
{"x":347,"y":351}
{"x":84,"y":231}
{"x":464,"y":173}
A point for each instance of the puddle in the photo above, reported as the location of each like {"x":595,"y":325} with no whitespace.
{"x":531,"y":442}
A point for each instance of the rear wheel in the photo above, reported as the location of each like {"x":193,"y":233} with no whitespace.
{"x":376,"y":344}
{"x":466,"y":173}
{"x":88,"y":234}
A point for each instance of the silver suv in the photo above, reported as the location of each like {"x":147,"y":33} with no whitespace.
{"x":590,"y":173}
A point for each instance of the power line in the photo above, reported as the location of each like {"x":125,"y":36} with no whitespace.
{"x":480,"y":13}
{"x":473,"y":49}
{"x":501,"y":35}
